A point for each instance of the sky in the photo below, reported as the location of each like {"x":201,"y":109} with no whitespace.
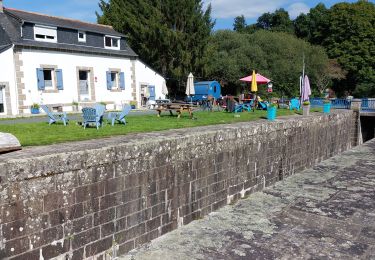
{"x":223,"y":11}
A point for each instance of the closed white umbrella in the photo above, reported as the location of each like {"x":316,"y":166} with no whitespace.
{"x":164,"y":89}
{"x":190,"y":90}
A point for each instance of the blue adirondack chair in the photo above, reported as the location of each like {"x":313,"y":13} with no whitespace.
{"x":120,"y":117}
{"x":262,"y":105}
{"x":294,"y":104}
{"x":54,"y":117}
{"x":249,"y":105}
{"x":90,"y":115}
{"x":100,"y":109}
{"x":238,"y":108}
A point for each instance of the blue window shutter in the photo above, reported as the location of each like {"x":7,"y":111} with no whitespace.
{"x":109,"y":80}
{"x":59,"y":79}
{"x":152,"y":92}
{"x":122,"y":80}
{"x":40,"y":77}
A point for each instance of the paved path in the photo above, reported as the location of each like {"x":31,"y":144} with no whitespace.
{"x":324,"y":213}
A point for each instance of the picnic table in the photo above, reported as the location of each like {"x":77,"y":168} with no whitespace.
{"x":178,"y":107}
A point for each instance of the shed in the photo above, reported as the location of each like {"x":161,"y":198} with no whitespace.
{"x":204,"y":89}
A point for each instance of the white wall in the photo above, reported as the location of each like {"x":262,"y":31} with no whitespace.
{"x":7,"y":74}
{"x":68,"y":62}
{"x":146,"y":76}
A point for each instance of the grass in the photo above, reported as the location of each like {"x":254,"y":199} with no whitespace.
{"x":33,"y":134}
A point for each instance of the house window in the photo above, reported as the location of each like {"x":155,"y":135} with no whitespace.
{"x":45,"y":33}
{"x":112,"y":42}
{"x":81,"y":36}
{"x":48,"y":78}
{"x":2,"y":88}
{"x":115,"y":80}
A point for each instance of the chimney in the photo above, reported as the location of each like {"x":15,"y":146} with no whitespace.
{"x":1,"y":6}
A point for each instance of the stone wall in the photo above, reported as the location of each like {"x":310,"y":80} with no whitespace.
{"x":102,"y":198}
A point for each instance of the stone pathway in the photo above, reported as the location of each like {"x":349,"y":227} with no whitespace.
{"x":327,"y":212}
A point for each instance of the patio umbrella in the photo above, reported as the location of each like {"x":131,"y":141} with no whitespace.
{"x":305,"y":88}
{"x":190,"y":90}
{"x":254,"y":85}
{"x":164,"y":89}
{"x":259,"y":79}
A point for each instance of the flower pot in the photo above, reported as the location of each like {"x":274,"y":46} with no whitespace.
{"x":34,"y":111}
{"x":306,"y":110}
{"x":326,"y":108}
{"x":132,"y":106}
{"x":271,"y":113}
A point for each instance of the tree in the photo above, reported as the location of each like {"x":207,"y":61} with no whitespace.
{"x":239,"y":23}
{"x":279,"y":21}
{"x":347,"y":31}
{"x":333,"y":71}
{"x":275,"y":55}
{"x":169,"y":35}
{"x":351,"y":40}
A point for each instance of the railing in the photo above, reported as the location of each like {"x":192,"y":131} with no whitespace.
{"x":337,"y":103}
{"x":368,"y":105}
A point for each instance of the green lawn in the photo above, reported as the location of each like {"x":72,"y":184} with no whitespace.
{"x":33,"y":134}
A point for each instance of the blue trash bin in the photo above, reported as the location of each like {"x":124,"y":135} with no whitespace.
{"x":271,"y":113}
{"x":326,"y":108}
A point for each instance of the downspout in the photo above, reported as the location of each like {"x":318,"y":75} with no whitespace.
{"x":15,"y":83}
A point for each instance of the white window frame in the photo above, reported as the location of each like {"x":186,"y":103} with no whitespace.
{"x":53,"y":79}
{"x":84,"y":36}
{"x":116,"y":85}
{"x":46,"y":31}
{"x":112,"y":37}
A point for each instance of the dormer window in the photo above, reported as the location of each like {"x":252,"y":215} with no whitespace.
{"x":81,"y":36}
{"x":111,"y":42}
{"x":45,"y":33}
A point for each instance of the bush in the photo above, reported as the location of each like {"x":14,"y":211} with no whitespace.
{"x":35,"y":106}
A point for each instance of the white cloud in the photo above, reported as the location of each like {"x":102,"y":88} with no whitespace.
{"x":248,"y":8}
{"x":297,"y":9}
{"x":254,"y":8}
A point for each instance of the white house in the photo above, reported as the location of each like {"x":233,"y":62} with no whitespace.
{"x":60,"y":62}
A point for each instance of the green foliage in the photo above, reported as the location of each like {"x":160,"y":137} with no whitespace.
{"x":239,"y":24}
{"x":347,"y":31}
{"x":306,"y":103}
{"x":279,"y":21}
{"x":171,"y":36}
{"x":35,"y":106}
{"x":275,"y":55}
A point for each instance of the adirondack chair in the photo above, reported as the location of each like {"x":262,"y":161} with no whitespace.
{"x":90,"y":115}
{"x":54,"y":117}
{"x":238,"y":108}
{"x":120,"y":117}
{"x":294,"y":104}
{"x":262,"y":105}
{"x":249,"y":105}
{"x":100,"y":109}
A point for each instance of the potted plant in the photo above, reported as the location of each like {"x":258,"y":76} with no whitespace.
{"x":306,"y":108}
{"x":326,"y":106}
{"x":271,"y":112}
{"x":133,"y":104}
{"x":75,"y":105}
{"x":34,"y":108}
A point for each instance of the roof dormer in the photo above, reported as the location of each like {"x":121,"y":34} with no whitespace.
{"x":45,"y":33}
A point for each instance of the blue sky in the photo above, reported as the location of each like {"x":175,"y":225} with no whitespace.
{"x":224,"y":11}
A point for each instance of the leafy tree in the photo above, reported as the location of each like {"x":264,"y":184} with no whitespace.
{"x":169,"y":35}
{"x":239,"y":23}
{"x":351,"y":40}
{"x":333,"y":71}
{"x":347,"y":31}
{"x":279,"y":21}
{"x":275,"y":55}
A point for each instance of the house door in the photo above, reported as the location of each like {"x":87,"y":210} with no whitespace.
{"x":84,"y":90}
{"x":152,"y":92}
{"x":2,"y":99}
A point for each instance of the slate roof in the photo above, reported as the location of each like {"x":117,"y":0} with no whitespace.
{"x":10,"y":32}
